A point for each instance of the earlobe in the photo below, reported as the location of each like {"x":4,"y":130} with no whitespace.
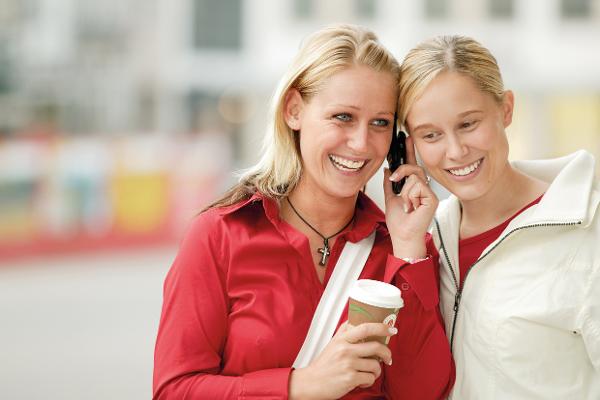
{"x":508,"y":104}
{"x":292,"y":109}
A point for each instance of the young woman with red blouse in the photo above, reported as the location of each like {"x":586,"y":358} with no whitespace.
{"x":241,"y":294}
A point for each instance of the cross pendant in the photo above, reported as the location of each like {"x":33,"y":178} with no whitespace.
{"x":324,"y":251}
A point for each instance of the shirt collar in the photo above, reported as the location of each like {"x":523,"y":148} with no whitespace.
{"x":367,"y":218}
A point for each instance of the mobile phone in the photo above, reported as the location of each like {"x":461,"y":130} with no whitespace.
{"x":397,"y":155}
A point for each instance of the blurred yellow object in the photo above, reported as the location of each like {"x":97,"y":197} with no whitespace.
{"x":17,"y":216}
{"x":17,"y":226}
{"x":140,"y":201}
{"x":575,"y":123}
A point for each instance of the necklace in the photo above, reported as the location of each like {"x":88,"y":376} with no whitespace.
{"x":323,"y":251}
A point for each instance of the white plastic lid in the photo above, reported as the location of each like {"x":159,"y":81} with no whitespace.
{"x":377,"y":293}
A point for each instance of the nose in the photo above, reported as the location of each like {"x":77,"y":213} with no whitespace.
{"x":456,"y":148}
{"x":358,"y":138}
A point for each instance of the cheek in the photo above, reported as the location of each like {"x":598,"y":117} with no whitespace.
{"x":430,"y":154}
{"x":383,"y":146}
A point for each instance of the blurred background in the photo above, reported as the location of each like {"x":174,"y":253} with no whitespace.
{"x":121,"y":119}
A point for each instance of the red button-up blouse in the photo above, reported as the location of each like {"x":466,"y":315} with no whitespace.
{"x":240,"y":297}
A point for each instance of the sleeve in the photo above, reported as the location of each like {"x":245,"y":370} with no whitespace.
{"x":193,"y":328}
{"x":422,"y":365}
{"x":591,"y":317}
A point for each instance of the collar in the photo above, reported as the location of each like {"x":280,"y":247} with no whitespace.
{"x":368,"y":216}
{"x":571,"y":197}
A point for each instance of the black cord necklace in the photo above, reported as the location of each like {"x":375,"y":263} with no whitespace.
{"x":324,"y":251}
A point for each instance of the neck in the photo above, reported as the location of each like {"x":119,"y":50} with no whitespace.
{"x":512,"y":191}
{"x":325,"y":213}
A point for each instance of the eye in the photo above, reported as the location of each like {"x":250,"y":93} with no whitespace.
{"x":468,"y":124}
{"x":344,"y":117}
{"x":430,"y":136}
{"x":380,"y":122}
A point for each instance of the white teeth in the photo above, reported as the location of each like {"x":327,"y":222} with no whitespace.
{"x":466,"y":170}
{"x":346,"y":164}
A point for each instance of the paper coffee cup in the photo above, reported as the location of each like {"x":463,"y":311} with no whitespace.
{"x":374,"y":301}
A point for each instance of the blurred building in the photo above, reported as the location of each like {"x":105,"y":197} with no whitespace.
{"x":171,"y":96}
{"x":113,"y":67}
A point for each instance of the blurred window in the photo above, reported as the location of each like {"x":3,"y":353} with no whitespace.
{"x":303,"y":9}
{"x":575,"y":8}
{"x":5,"y":68}
{"x":365,"y":8}
{"x":217,"y":24}
{"x":501,"y":8}
{"x":436,"y":9}
{"x":574,"y":122}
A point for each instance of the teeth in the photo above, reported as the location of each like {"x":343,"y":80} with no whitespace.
{"x":466,"y":170}
{"x":346,"y":164}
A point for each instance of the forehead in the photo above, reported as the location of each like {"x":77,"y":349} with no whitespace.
{"x":448,"y":94}
{"x":360,"y":84}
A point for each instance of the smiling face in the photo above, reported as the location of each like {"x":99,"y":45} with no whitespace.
{"x":345,"y":130}
{"x":459,"y":133}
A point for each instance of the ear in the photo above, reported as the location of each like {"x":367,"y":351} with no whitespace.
{"x":508,"y":103}
{"x":292,"y":109}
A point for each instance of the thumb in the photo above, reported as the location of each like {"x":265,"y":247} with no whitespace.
{"x":387,"y":185}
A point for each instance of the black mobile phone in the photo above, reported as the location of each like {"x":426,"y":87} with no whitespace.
{"x":397,"y":155}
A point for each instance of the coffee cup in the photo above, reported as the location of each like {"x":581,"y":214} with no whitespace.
{"x":374,"y":301}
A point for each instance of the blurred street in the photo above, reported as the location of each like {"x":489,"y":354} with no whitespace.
{"x":81,"y":326}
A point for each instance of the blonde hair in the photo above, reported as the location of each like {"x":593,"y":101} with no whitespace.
{"x":321,"y":55}
{"x":446,"y":53}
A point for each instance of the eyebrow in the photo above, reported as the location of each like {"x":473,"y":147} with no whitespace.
{"x":464,"y":114}
{"x":358,"y":108}
{"x":422,"y":126}
{"x":345,"y":105}
{"x":461,"y":115}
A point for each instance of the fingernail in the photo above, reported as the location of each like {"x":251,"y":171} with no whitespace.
{"x":405,"y":209}
{"x":390,"y":363}
{"x":393,"y":330}
{"x":391,"y":178}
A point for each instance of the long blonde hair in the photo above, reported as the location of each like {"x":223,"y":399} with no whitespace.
{"x":322,"y":54}
{"x":446,"y":53}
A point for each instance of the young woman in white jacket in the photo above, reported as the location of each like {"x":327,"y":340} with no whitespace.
{"x":518,"y":244}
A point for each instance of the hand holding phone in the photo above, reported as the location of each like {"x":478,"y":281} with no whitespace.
{"x":397,"y":155}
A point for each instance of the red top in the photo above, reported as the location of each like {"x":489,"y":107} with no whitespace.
{"x":469,"y":249}
{"x":240,"y":296}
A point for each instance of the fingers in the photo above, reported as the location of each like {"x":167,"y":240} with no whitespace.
{"x":363,"y":331}
{"x":411,"y":157}
{"x":370,"y":365}
{"x":375,"y":350}
{"x":343,"y":328}
{"x":365,"y":379}
{"x":408,"y":169}
{"x":387,"y":184}
{"x":355,"y":336}
{"x":416,"y":193}
{"x":411,"y":193}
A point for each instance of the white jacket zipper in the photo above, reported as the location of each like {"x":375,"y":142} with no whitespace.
{"x":459,"y":288}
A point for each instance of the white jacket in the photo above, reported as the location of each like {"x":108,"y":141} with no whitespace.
{"x":528,"y":320}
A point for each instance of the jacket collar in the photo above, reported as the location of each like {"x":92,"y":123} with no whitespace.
{"x":570,"y":195}
{"x":570,"y":198}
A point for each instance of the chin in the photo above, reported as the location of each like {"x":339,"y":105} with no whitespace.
{"x":467,"y":194}
{"x":343,"y":192}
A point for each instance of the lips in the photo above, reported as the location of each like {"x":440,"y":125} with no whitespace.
{"x":346,"y":164}
{"x":466,"y":170}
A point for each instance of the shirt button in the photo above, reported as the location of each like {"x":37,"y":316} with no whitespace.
{"x":404,"y":286}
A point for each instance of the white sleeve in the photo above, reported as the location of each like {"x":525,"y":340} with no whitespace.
{"x":591,"y":316}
